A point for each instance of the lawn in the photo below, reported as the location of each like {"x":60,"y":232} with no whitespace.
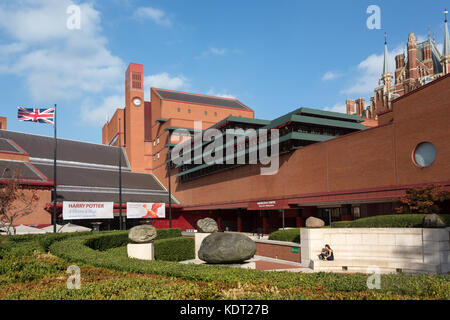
{"x":34,"y":267}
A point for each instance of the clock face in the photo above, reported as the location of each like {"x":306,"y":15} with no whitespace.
{"x":137,"y":102}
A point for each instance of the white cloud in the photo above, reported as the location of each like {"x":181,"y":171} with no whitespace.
{"x":218,"y":51}
{"x":330,"y":76}
{"x":96,"y":115}
{"x":368,"y":72}
{"x":338,"y":107}
{"x":164,"y":81}
{"x":156,"y":15}
{"x":58,"y":64}
{"x":223,"y":94}
{"x":215,"y":52}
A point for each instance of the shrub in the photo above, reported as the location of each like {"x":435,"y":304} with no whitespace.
{"x":168,"y":233}
{"x":341,"y":224}
{"x":175,"y":249}
{"x":427,"y":199}
{"x":108,"y":240}
{"x":289,"y":235}
{"x":114,"y":239}
{"x":389,"y":221}
{"x":436,"y":287}
{"x":44,"y":241}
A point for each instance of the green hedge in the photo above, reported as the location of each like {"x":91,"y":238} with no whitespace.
{"x":75,"y":250}
{"x":341,"y":224}
{"x":175,"y":249}
{"x":116,"y":239}
{"x":389,"y":221}
{"x":109,"y":240}
{"x":23,"y":244}
{"x":289,"y":235}
{"x":169,"y":245}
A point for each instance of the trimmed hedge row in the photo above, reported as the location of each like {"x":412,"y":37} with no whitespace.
{"x":389,"y":221}
{"x":169,"y":245}
{"x":23,"y":244}
{"x":75,"y":250}
{"x":120,"y":238}
{"x":289,"y":235}
{"x":175,"y":249}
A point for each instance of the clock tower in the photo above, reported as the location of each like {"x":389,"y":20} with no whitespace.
{"x":134,"y":116}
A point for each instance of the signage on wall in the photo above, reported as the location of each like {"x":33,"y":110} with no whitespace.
{"x":137,"y":210}
{"x":268,"y":205}
{"x":87,"y":210}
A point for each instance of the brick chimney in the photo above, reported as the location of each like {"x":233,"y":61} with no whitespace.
{"x":350,"y":106}
{"x":360,"y":106}
{"x":412,"y":56}
{"x":2,"y":123}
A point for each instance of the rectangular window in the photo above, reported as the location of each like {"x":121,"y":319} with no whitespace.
{"x":136,"y":80}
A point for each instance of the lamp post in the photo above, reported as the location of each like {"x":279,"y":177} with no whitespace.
{"x":170,"y":190}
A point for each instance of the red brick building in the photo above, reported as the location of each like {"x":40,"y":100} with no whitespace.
{"x":330,"y":165}
{"x":326,"y":168}
{"x":422,"y":64}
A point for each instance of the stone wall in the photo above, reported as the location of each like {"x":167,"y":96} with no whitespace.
{"x":408,"y":250}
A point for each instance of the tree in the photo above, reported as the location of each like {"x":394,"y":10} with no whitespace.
{"x":15,"y":202}
{"x":425,"y":199}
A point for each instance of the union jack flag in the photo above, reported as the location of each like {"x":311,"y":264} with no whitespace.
{"x":36,"y":115}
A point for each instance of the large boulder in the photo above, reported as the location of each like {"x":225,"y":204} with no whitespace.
{"x":313,"y":222}
{"x":142,"y":234}
{"x":207,"y":225}
{"x":226,"y":248}
{"x":432,"y":221}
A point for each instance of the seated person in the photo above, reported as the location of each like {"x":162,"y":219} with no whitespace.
{"x":326,"y":254}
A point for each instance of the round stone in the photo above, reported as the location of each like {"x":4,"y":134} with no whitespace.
{"x":432,"y":221}
{"x":207,"y":225}
{"x":142,"y":234}
{"x":313,"y":222}
{"x":226,"y":248}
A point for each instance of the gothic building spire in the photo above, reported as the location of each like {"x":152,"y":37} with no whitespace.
{"x":445,"y":60}
{"x":386,"y":77}
{"x":446,"y":36}
{"x":386,"y":68}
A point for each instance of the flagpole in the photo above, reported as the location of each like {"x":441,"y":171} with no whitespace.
{"x":170,"y":191}
{"x":120,"y":176}
{"x":54,"y":175}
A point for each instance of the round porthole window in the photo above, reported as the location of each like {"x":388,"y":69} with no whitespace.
{"x":424,"y":154}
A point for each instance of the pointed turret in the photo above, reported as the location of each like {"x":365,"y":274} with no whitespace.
{"x":386,"y":68}
{"x":386,"y":77}
{"x":445,"y":60}
{"x":446,"y":37}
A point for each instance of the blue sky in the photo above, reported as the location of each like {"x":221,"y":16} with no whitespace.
{"x":274,"y":56}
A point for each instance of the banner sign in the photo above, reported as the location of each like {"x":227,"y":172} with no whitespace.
{"x":145,"y":210}
{"x":87,"y":210}
{"x":268,"y":205}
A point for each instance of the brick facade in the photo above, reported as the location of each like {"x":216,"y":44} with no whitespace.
{"x":422,"y":64}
